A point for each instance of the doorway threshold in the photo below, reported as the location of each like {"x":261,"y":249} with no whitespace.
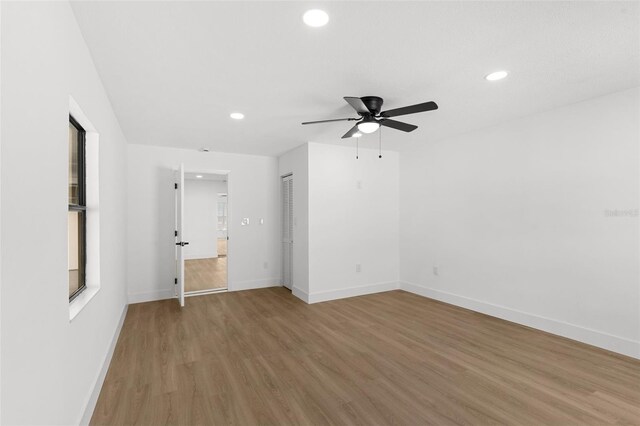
{"x":202,"y":292}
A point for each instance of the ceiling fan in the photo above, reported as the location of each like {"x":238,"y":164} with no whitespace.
{"x":370,"y":120}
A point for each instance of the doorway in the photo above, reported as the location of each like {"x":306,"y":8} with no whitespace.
{"x":205,"y":227}
{"x":287,"y":231}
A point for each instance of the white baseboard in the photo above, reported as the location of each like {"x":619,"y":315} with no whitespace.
{"x":198,"y":256}
{"x":253,"y":284}
{"x":607,"y":341}
{"x":325,"y":296}
{"x":97,"y":385}
{"x":302,"y":295}
{"x":150,"y":296}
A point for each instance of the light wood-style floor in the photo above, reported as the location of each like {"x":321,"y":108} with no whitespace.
{"x":264,"y":357}
{"x":207,"y":274}
{"x":222,"y":246}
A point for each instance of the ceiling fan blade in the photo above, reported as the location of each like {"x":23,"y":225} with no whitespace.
{"x":351,"y":132}
{"x":329,"y":121}
{"x":357,"y":104}
{"x":427,"y":106}
{"x":398,"y":125}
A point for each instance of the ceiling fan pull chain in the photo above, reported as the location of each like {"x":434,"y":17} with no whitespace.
{"x":357,"y":140}
{"x":380,"y":142}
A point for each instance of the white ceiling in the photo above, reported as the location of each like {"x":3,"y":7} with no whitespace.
{"x":175,"y":70}
{"x":205,"y":176}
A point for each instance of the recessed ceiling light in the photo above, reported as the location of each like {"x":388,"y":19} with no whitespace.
{"x":199,"y":176}
{"x":236,"y":115}
{"x":498,"y":75}
{"x":315,"y":18}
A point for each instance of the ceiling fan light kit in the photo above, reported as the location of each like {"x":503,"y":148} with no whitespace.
{"x":369,"y":125}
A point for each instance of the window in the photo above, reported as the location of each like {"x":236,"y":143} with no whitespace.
{"x":77,"y":216}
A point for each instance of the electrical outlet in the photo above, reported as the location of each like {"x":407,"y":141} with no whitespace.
{"x":436,"y":272}
{"x":358,"y":267}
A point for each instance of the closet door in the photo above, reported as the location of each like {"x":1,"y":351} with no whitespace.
{"x":287,"y":231}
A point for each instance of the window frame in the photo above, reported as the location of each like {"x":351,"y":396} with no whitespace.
{"x":81,"y":208}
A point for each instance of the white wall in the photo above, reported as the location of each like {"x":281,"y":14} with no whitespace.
{"x":514,"y":217}
{"x":201,"y":217}
{"x":345,"y":213}
{"x":353,"y":219}
{"x":49,"y":364}
{"x":296,"y":162}
{"x":254,"y":250}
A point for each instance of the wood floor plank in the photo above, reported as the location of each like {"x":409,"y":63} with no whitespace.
{"x":264,"y":357}
{"x":205,"y":274}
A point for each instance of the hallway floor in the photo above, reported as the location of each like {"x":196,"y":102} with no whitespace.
{"x":205,"y":274}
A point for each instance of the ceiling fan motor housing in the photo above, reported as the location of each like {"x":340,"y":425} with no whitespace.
{"x":373,"y":104}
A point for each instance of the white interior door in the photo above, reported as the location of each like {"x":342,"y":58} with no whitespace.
{"x":287,"y":231}
{"x":179,"y":186}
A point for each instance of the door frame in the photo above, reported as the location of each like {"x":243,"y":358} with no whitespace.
{"x":179,"y":228}
{"x":230,"y":281}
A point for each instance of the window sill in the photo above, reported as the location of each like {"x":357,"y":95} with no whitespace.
{"x":81,"y":301}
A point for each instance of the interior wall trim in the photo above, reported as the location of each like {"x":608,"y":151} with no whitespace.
{"x":151,"y":296}
{"x":253,"y":284}
{"x":198,"y":256}
{"x":352,"y":291}
{"x":92,"y":400}
{"x":300,"y":294}
{"x":589,"y":336}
